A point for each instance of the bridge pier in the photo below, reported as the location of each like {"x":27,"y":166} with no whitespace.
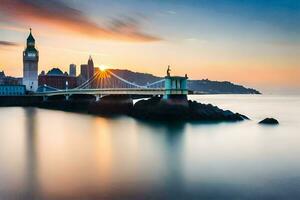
{"x":67,"y":97}
{"x":45,"y":98}
{"x":98,"y":97}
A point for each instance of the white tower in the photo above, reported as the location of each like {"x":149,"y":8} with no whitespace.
{"x":30,"y":65}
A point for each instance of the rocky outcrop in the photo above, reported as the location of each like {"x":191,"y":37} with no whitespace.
{"x":270,"y":121}
{"x":159,"y":109}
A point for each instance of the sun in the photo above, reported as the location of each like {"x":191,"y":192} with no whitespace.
{"x":102,"y":68}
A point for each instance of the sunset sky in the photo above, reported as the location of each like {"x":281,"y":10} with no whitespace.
{"x":255,"y":43}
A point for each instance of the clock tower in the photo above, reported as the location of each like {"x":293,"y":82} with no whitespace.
{"x":30,"y":65}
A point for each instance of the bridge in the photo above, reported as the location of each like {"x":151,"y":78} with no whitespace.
{"x":105,"y":91}
{"x":105,"y":82}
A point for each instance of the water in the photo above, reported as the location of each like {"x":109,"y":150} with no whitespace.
{"x":48,"y":154}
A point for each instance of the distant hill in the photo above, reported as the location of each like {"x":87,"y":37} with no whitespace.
{"x":201,"y":86}
{"x":136,"y":77}
{"x":219,"y":87}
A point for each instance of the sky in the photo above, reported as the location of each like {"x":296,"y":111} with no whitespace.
{"x":255,"y":43}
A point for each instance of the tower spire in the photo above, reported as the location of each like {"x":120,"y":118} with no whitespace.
{"x":30,"y":39}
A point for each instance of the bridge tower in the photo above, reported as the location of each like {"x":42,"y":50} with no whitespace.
{"x":30,"y":65}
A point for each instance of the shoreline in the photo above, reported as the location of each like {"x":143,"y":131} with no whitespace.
{"x":156,"y":108}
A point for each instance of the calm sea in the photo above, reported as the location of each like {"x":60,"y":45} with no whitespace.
{"x":47,"y":154}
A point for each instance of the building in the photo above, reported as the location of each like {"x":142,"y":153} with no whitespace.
{"x":2,"y":77}
{"x":72,"y":70}
{"x":87,"y":70}
{"x":55,"y":78}
{"x":30,"y":65}
{"x":84,"y":73}
{"x":12,"y":90}
{"x":8,"y":80}
{"x":90,"y":67}
{"x":12,"y":81}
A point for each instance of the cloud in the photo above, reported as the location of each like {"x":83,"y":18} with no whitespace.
{"x":13,"y":28}
{"x":171,"y":12}
{"x":7,"y":44}
{"x":58,"y":14}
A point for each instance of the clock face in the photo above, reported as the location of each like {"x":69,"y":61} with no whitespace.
{"x":31,"y":55}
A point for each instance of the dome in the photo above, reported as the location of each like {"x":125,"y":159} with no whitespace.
{"x":55,"y":72}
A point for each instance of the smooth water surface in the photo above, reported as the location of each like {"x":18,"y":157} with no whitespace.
{"x":47,"y":154}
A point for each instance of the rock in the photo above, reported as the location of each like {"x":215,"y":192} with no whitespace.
{"x":269,"y":121}
{"x":159,"y":109}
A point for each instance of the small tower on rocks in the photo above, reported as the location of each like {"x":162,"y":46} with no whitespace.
{"x":175,"y":87}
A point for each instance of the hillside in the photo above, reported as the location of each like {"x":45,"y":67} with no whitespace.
{"x":219,"y":87}
{"x":201,"y":86}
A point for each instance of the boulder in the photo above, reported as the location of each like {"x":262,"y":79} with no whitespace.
{"x":269,"y":121}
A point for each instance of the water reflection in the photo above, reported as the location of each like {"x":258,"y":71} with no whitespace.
{"x":103,"y":152}
{"x":174,"y":158}
{"x":171,"y":137}
{"x":58,"y":155}
{"x":31,"y":159}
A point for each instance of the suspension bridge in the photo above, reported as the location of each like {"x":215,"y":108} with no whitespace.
{"x":105,"y":82}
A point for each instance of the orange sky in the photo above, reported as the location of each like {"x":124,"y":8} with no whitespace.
{"x":245,"y":69}
{"x":257,"y":55}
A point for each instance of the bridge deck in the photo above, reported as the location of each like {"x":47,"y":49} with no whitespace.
{"x":105,"y":91}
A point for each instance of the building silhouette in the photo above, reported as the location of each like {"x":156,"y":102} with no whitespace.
{"x":90,"y":67}
{"x":86,"y":71}
{"x":30,"y":65}
{"x":57,"y":79}
{"x":84,"y":74}
{"x":72,"y":70}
